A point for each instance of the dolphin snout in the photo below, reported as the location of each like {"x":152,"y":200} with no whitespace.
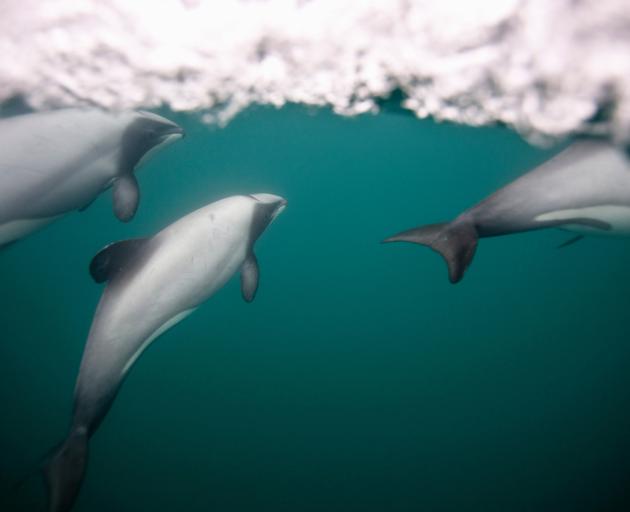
{"x":268,"y":198}
{"x":175,"y":129}
{"x":164,"y":127}
{"x":281,"y":206}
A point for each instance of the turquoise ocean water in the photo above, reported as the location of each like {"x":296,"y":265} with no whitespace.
{"x":359,"y":379}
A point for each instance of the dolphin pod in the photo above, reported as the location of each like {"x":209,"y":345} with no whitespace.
{"x":585,"y":188}
{"x":55,"y":162}
{"x":52,"y":163}
{"x":152,"y":284}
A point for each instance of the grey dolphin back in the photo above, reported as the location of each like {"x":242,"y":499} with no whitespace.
{"x":456,"y":242}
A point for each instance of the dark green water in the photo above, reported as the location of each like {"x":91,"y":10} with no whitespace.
{"x":359,"y":379}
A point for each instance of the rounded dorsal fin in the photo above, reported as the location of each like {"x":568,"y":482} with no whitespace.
{"x":114,"y":257}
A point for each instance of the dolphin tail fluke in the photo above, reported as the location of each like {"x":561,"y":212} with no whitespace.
{"x":64,"y":471}
{"x":455,"y":242}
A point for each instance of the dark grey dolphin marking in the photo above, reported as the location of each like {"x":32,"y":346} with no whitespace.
{"x":584,"y":188}
{"x":141,"y":137}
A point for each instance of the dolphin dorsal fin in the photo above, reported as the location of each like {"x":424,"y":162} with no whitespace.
{"x":113,"y":257}
{"x":249,"y":277}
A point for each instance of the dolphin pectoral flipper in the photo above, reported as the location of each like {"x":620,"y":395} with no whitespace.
{"x":126,"y":196}
{"x":455,"y":242}
{"x":114,"y":257}
{"x":249,"y":277}
{"x":570,"y":241}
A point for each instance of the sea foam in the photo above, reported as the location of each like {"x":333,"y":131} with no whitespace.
{"x":546,"y":68}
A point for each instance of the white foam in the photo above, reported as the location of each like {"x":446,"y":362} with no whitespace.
{"x":540,"y":66}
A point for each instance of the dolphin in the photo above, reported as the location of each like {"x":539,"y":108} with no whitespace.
{"x":52,"y":163}
{"x":152,"y":284}
{"x":585,"y":188}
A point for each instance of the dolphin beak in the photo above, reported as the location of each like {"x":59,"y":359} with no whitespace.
{"x":171,"y":134}
{"x":176,"y":130}
{"x":281,"y":207}
{"x":167,"y":127}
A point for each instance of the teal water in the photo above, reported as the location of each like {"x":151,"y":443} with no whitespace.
{"x":359,"y":379}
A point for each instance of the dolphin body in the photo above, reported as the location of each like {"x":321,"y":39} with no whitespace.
{"x":152,"y":284}
{"x":52,"y":163}
{"x":584,"y":188}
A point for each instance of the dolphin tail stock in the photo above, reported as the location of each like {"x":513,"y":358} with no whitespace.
{"x":65,"y":469}
{"x":455,"y":242}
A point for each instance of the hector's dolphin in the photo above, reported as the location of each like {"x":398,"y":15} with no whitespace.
{"x":152,"y":284}
{"x":52,"y":163}
{"x":585,"y":188}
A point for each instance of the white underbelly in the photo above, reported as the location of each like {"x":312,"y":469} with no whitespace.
{"x":618,"y":217}
{"x":16,"y":229}
{"x":161,"y":330}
